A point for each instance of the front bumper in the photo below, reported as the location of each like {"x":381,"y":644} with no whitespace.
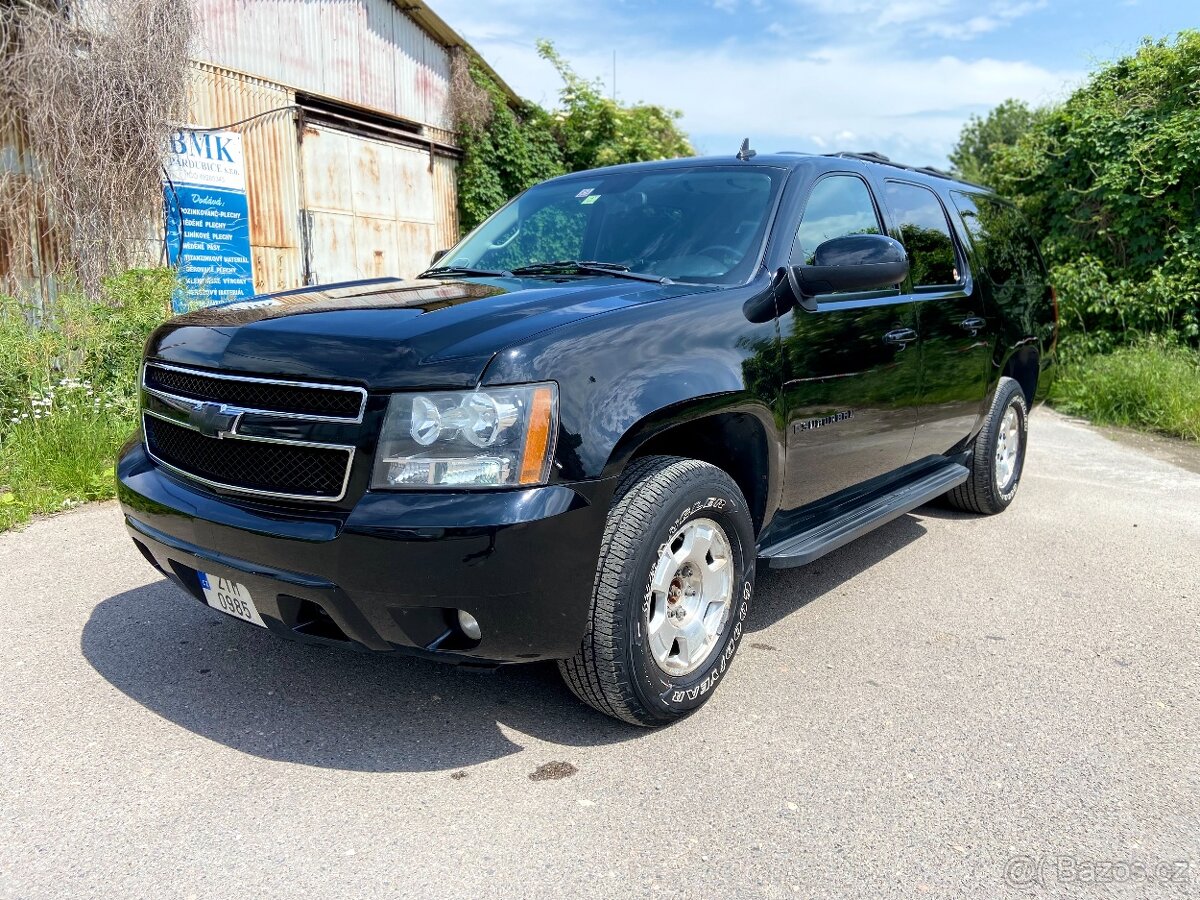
{"x":392,"y":572}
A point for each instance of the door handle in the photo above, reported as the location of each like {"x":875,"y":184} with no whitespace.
{"x":901,"y":337}
{"x":973,"y":324}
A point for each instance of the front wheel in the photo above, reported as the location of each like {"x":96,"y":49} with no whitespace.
{"x":672,"y":591}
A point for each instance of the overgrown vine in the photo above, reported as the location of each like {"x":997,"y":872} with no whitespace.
{"x":89,"y":94}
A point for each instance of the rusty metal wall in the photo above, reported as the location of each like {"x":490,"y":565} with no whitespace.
{"x":445,"y":200}
{"x":33,"y":251}
{"x":220,"y":97}
{"x":251,"y":58}
{"x":365,"y":52}
{"x":333,"y":205}
{"x":21,"y":236}
{"x":374,"y":208}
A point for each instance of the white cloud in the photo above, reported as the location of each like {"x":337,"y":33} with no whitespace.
{"x":899,"y":19}
{"x":999,"y":15}
{"x":863,"y":92}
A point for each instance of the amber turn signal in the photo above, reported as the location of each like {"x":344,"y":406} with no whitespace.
{"x":539,"y":439}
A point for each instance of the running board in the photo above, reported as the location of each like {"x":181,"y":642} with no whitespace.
{"x":801,"y":549}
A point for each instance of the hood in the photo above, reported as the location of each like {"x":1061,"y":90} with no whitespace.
{"x":391,"y":334}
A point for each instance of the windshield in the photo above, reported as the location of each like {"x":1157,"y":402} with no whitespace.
{"x":699,"y":223}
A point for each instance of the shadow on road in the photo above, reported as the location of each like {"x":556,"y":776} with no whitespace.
{"x":328,"y":707}
{"x":333,"y":708}
{"x":781,"y":592}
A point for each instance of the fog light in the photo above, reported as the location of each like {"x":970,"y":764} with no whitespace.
{"x":470,"y":627}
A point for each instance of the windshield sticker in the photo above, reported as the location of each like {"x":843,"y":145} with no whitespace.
{"x":585,"y":192}
{"x":591,"y":198}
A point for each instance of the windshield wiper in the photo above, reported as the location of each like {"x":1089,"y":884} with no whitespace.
{"x":464,"y":270}
{"x":588,"y":267}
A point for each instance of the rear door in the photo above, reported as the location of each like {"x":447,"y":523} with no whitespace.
{"x":851,"y":366}
{"x":956,"y":336}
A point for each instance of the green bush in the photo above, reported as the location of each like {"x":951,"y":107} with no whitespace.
{"x":512,"y":150}
{"x":1110,"y":180}
{"x":1150,"y":385}
{"x":68,"y":390}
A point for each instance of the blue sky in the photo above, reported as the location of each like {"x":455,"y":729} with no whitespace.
{"x":900,"y":77}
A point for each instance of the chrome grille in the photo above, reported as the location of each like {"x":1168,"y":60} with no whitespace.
{"x":180,"y":434}
{"x":318,"y":402}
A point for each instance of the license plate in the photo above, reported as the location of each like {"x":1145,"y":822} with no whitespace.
{"x":230,"y":598}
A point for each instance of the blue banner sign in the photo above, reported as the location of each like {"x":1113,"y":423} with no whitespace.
{"x":208,"y":218}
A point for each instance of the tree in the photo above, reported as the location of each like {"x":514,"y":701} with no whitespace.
{"x":1110,"y":180}
{"x":594,"y":130}
{"x":983,"y":138}
{"x":89,"y":94}
{"x":509,"y":146}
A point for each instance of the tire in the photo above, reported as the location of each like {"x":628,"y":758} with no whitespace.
{"x":628,"y":666}
{"x":992,"y":486}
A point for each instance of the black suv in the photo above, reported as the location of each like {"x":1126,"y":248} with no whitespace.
{"x":577,"y":435}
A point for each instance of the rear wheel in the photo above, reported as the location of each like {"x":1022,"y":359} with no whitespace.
{"x":998,"y":455}
{"x":673,"y":587}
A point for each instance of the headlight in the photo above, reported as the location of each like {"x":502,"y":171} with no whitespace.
{"x":494,"y":437}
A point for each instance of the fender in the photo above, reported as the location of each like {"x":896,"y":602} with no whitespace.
{"x":626,"y":375}
{"x":1025,"y":347}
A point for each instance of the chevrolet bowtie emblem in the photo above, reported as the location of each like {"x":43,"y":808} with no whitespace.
{"x":214,"y":420}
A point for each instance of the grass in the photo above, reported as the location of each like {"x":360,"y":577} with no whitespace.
{"x":68,"y":391}
{"x":61,"y":453}
{"x":1150,"y":386}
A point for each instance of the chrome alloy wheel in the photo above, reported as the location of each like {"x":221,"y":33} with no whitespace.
{"x":1008,"y":449}
{"x":691,"y":596}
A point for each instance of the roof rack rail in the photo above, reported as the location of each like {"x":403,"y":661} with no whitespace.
{"x":876,"y":157}
{"x":868,"y":156}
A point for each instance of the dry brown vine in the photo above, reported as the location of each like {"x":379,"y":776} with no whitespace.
{"x":469,"y":103}
{"x":89,"y":94}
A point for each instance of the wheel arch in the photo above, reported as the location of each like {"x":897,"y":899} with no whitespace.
{"x":1024,"y":366}
{"x":731,"y":435}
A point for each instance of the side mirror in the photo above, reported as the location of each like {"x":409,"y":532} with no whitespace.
{"x":437,"y":254}
{"x":856,"y":262}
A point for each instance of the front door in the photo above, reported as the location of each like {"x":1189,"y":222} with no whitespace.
{"x":851,"y":366}
{"x":956,"y":345}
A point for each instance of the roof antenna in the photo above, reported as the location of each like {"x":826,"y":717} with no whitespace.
{"x":746,"y":153}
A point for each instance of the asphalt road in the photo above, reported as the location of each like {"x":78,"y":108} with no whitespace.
{"x":907,"y":716}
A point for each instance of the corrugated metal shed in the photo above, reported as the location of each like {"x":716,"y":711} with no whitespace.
{"x":373,"y":207}
{"x":221,"y":98}
{"x":327,"y":202}
{"x":370,"y":53}
{"x":344,"y":111}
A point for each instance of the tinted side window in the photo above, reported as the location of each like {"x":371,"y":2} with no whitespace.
{"x":1006,"y":248}
{"x":838,"y":205}
{"x":925,"y":234}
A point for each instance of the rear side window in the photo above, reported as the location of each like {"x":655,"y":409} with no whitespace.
{"x":1002,"y":239}
{"x":838,"y":205}
{"x":925,"y":234}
